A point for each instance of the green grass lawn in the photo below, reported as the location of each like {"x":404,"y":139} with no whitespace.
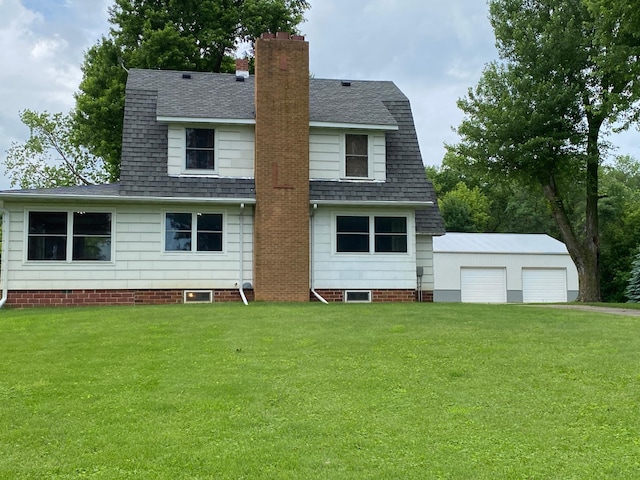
{"x":420,"y":391}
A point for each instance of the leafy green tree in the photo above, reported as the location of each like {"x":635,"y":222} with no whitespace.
{"x":51,"y":157}
{"x":465,"y":209}
{"x":538,"y":116}
{"x":165,"y":34}
{"x":619,"y":210}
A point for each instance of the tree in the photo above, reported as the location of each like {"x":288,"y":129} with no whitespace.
{"x":51,"y":157}
{"x":464,"y":209}
{"x":619,"y":210}
{"x":538,"y":116}
{"x":166,"y":34}
{"x":633,"y":288}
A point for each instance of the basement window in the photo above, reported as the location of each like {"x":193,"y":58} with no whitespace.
{"x":198,"y":296}
{"x":357,"y":296}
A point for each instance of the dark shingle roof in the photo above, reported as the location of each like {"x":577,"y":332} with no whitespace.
{"x":220,"y":96}
{"x":155,"y":93}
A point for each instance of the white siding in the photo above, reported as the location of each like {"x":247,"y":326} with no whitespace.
{"x":138,"y":260}
{"x":424,"y":259}
{"x":234,"y":148}
{"x":326,"y":154}
{"x":333,"y":270}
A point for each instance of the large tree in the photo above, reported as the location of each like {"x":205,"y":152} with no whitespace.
{"x":50,"y":157}
{"x":166,"y":34}
{"x":540,"y":114}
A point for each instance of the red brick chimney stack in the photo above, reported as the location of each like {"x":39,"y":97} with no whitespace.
{"x":281,"y":238}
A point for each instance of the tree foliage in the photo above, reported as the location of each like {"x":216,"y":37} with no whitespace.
{"x":633,"y":287}
{"x":165,"y":34}
{"x":50,"y":157}
{"x":539,"y":116}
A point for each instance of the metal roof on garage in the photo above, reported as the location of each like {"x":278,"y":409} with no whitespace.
{"x":507,"y":243}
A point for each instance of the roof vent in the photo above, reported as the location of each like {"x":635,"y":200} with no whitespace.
{"x":346,"y":83}
{"x":186,"y":76}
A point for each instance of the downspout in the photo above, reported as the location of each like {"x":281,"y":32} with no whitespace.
{"x":4,"y":272}
{"x":316,"y":294}
{"x":241,"y":283}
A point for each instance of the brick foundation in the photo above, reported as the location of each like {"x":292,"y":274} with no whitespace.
{"x":69,"y":298}
{"x":92,"y":298}
{"x":377,"y":296}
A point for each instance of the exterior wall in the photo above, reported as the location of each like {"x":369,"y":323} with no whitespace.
{"x":424,"y":259}
{"x":377,"y":296}
{"x":85,"y":298}
{"x":281,"y":241}
{"x":327,"y":154}
{"x":447,"y":272}
{"x":234,"y":147}
{"x":332,"y":270}
{"x":138,"y":260}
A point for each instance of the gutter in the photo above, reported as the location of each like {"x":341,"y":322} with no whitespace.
{"x":61,"y":197}
{"x":241,"y":282}
{"x":4,"y":273}
{"x":315,"y":294}
{"x":373,"y":203}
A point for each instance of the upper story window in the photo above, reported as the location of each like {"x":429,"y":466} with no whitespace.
{"x":353,"y":234}
{"x":48,"y":234}
{"x":193,"y":232}
{"x":200,"y":151}
{"x":356,"y":156}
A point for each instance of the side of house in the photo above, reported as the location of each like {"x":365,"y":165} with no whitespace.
{"x":231,"y":190}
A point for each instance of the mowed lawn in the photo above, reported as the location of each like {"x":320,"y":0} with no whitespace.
{"x":311,"y":391}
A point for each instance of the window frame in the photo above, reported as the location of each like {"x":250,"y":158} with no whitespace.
{"x":344,"y":154}
{"x":373,"y":234}
{"x":194,"y":233}
{"x":199,"y":171}
{"x":70,"y":236}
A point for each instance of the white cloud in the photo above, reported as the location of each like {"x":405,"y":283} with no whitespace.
{"x":41,"y":58}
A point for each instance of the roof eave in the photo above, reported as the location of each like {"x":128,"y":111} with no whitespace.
{"x":35,"y":197}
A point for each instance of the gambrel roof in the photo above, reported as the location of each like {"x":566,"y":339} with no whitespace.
{"x":156,"y":97}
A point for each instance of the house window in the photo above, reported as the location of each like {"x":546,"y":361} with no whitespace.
{"x":200,"y":149}
{"x":356,"y":156}
{"x":356,"y":234}
{"x":352,"y":234}
{"x":182,"y":228}
{"x":390,"y":234}
{"x":91,"y":236}
{"x":49,"y":231}
{"x":47,"y":236}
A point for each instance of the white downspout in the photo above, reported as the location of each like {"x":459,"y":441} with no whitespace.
{"x":4,"y":272}
{"x":241,"y":284}
{"x":316,"y":294}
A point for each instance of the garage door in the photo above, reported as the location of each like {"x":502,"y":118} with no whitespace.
{"x":483,"y":285}
{"x":544,"y":285}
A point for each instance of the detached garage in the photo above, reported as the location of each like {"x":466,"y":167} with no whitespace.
{"x":502,"y":268}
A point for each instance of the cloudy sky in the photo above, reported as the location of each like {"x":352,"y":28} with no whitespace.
{"x":433,"y":50}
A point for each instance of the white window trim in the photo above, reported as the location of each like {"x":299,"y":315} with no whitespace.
{"x":372,"y":234}
{"x":69,"y":252}
{"x":191,"y":172}
{"x":194,"y":245}
{"x":343,"y":156}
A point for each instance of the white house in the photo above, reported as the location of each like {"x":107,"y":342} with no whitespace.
{"x":271,"y":187}
{"x":501,"y":268}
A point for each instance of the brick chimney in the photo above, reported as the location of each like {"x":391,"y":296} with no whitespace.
{"x":281,"y":238}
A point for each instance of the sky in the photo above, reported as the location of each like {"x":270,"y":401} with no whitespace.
{"x":433,"y":50}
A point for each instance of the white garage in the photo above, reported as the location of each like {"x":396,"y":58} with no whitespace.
{"x":502,"y":268}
